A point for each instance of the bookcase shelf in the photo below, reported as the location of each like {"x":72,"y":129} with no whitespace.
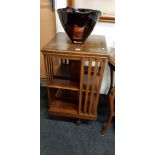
{"x":65,"y":108}
{"x":65,"y":80}
{"x":64,"y":84}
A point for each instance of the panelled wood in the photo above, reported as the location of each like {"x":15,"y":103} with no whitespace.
{"x":73,"y":86}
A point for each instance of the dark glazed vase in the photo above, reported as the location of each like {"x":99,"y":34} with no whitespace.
{"x":78,"y":23}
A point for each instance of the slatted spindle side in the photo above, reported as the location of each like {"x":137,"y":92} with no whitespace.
{"x":47,"y":76}
{"x":93,"y":86}
{"x":99,"y":85}
{"x":81,"y":84}
{"x":46,"y":68}
{"x":87,"y":86}
{"x":50,"y":68}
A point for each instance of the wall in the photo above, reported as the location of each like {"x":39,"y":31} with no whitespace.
{"x":105,"y":6}
{"x":47,"y":29}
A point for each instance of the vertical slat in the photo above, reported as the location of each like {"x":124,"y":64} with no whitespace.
{"x":81,"y":84}
{"x":61,"y":61}
{"x":111,"y":80}
{"x":99,"y":86}
{"x":93,"y":86}
{"x":51,"y":67}
{"x":65,"y":61}
{"x":47,"y":76}
{"x":87,"y":86}
{"x":46,"y":69}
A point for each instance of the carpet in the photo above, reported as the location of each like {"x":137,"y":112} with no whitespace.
{"x":61,"y":136}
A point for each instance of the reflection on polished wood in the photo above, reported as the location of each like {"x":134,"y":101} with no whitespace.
{"x":95,"y":46}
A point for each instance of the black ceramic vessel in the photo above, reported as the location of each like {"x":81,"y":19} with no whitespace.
{"x":78,"y":23}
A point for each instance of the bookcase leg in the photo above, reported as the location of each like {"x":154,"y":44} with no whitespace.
{"x":78,"y":122}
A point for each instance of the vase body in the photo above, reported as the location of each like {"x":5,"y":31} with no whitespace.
{"x":78,"y":23}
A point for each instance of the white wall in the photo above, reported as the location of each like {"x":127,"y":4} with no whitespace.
{"x":101,"y":28}
{"x":105,"y":6}
{"x":106,"y":29}
{"x":59,"y":4}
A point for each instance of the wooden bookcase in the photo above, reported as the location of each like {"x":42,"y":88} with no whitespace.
{"x":74,"y":75}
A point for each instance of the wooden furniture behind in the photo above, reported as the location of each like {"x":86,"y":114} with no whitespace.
{"x":74,"y":74}
{"x":111,"y":93}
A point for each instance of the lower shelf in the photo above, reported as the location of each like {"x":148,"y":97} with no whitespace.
{"x":63,"y":107}
{"x":66,"y":109}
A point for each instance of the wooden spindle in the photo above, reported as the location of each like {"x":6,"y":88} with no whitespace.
{"x":51,"y":67}
{"x":47,"y":76}
{"x":81,"y":84}
{"x":93,"y":86}
{"x":99,"y":85}
{"x":46,"y":69}
{"x":61,"y":61}
{"x":87,"y":86}
{"x":65,"y":61}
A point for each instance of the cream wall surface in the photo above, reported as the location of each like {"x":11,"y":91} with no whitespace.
{"x":47,"y":29}
{"x":107,"y":7}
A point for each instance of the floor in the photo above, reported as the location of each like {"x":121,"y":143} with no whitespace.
{"x":61,"y":136}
